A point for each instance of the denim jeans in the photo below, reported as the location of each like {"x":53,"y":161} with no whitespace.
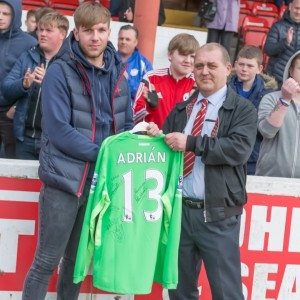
{"x":60,"y":220}
{"x":28,"y":149}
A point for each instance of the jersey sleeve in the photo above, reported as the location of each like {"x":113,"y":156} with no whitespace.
{"x":140,"y":106}
{"x":98,"y":202}
{"x":172,"y":225}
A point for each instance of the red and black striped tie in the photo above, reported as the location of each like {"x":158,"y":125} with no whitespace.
{"x":189,"y":156}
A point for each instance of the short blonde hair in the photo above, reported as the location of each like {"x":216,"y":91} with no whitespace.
{"x":54,"y":19}
{"x":89,"y":14}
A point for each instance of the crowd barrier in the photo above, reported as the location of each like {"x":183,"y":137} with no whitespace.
{"x":269,"y":240}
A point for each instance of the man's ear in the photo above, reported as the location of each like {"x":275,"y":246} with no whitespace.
{"x":260,"y":68}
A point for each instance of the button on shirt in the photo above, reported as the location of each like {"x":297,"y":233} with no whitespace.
{"x":193,"y":184}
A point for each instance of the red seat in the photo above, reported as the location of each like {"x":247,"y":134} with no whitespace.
{"x":254,"y":31}
{"x":34,"y":4}
{"x":65,"y":4}
{"x":244,"y":11}
{"x":255,"y":23}
{"x":254,"y":38}
{"x":268,"y":11}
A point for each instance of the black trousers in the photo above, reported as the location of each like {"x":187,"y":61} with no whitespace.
{"x":217,"y":245}
{"x":220,"y":36}
{"x":7,"y":137}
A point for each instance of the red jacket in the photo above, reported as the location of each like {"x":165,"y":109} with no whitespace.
{"x":169,"y":91}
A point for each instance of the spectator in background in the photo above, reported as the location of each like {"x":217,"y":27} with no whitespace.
{"x":283,"y":41}
{"x":30,"y":21}
{"x":137,"y":64}
{"x":39,"y":13}
{"x":13,"y":42}
{"x":161,"y":89}
{"x":278,"y":122}
{"x":22,"y":86}
{"x":225,"y":23}
{"x":249,"y":82}
{"x":125,"y":10}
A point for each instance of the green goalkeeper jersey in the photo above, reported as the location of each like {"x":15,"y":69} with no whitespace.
{"x":131,"y":228}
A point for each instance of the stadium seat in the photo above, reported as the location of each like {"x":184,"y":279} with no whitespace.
{"x":254,"y":31}
{"x":267,"y":11}
{"x":33,"y":4}
{"x":65,"y":4}
{"x":244,"y":11}
{"x":255,"y":23}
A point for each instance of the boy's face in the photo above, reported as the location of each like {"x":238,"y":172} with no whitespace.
{"x":5,"y":16}
{"x":31,"y":24}
{"x":246,"y":69}
{"x":180,"y":64}
{"x":50,"y":37}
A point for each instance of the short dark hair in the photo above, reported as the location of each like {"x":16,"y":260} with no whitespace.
{"x":184,"y":43}
{"x":130,"y":27}
{"x":251,"y":52}
{"x":216,"y":46}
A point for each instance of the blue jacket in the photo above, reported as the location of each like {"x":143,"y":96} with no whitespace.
{"x":262,"y":85}
{"x":277,"y":48}
{"x":13,"y":90}
{"x":137,"y":66}
{"x":81,"y":106}
{"x":13,"y":43}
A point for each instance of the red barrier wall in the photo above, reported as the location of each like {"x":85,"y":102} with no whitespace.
{"x":270,"y":240}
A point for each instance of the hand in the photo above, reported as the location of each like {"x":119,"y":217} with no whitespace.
{"x":289,"y":35}
{"x":153,"y":129}
{"x":289,"y":88}
{"x":39,"y":73}
{"x":11,"y":112}
{"x":176,"y":141}
{"x":28,"y":79}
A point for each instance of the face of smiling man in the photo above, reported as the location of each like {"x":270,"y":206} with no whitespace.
{"x":93,"y":41}
{"x":211,"y":69}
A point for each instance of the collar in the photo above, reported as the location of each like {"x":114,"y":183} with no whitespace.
{"x":216,"y":98}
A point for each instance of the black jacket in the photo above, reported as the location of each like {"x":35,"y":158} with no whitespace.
{"x":276,"y":46}
{"x":224,"y":156}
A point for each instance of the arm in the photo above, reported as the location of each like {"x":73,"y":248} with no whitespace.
{"x":12,"y":86}
{"x":272,"y":111}
{"x":57,"y":115}
{"x":139,"y":106}
{"x":276,"y":43}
